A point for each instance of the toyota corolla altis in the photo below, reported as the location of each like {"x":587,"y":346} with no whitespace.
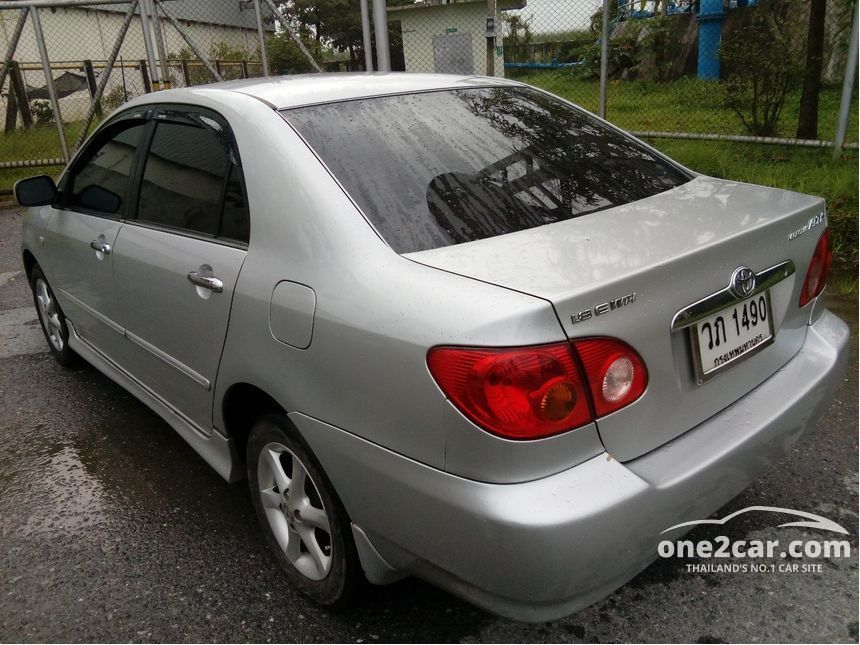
{"x":454,"y":327}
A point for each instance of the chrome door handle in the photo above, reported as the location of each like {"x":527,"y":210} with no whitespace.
{"x":100,"y":246}
{"x":213,"y":284}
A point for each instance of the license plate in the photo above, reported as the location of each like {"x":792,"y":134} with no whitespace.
{"x":731,"y":335}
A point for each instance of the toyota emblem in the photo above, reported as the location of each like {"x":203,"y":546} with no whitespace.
{"x":742,"y":283}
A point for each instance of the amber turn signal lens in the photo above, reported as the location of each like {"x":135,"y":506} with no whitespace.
{"x":558,"y":400}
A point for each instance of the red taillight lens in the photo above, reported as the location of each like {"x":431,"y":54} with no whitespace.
{"x":533,"y":392}
{"x":819,"y":267}
{"x":616,"y":373}
{"x":522,"y":393}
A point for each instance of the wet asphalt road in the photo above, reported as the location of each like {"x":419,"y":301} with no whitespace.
{"x":112,"y":529}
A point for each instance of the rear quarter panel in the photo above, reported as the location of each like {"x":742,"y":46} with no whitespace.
{"x":376,"y":316}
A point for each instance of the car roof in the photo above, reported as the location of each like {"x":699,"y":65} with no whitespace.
{"x":283,"y":92}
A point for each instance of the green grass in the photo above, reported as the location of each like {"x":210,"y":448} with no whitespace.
{"x":685,"y":105}
{"x":806,"y":170}
{"x":41,"y":142}
{"x":688,"y":105}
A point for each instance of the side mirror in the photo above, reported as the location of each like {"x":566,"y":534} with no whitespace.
{"x":96,"y":198}
{"x":35,"y":191}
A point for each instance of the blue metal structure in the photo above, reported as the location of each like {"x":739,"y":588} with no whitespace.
{"x":710,"y":18}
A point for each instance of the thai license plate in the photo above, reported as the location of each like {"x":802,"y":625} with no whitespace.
{"x":731,"y":335}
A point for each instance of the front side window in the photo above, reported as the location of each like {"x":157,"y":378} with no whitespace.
{"x":189,"y":179}
{"x":445,"y":167}
{"x":99,"y":180}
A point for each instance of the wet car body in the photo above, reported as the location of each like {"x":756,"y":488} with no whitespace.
{"x":333,"y":307}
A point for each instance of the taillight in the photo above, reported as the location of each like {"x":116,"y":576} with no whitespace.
{"x":522,"y":393}
{"x":539,"y":391}
{"x":616,"y":373}
{"x":819,"y":267}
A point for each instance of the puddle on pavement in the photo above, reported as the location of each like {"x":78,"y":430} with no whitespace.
{"x":60,"y":497}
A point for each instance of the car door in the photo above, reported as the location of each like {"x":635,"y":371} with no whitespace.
{"x":83,"y":227}
{"x":177,"y":261}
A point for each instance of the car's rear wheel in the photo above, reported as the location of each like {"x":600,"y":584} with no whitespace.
{"x":303,"y":520}
{"x":51,"y":318}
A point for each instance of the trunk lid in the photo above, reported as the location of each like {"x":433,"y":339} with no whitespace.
{"x":671,"y":250}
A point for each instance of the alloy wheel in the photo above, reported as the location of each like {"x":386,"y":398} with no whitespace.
{"x":295,"y":511}
{"x":49,"y":315}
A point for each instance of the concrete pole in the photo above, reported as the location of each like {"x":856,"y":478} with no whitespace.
{"x":365,"y":37}
{"x":847,"y":89}
{"x":380,"y":28}
{"x":604,"y":59}
{"x":491,"y":40}
{"x":261,"y":34}
{"x":49,"y":82}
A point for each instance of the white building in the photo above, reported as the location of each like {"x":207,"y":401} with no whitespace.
{"x":75,"y":34}
{"x":450,"y":36}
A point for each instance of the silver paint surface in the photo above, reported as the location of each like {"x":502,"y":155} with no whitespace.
{"x":361,"y":394}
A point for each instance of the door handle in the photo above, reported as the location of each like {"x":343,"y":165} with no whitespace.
{"x":207,"y":282}
{"x":100,"y":246}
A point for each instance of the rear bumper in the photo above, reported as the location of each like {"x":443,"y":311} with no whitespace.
{"x":543,"y":549}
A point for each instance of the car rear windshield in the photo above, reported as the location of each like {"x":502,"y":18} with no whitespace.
{"x":439,"y":168}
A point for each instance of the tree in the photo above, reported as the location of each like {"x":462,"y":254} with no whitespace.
{"x":807,"y":122}
{"x":331,"y":23}
{"x":286,"y":58}
{"x":519,"y":31}
{"x":760,"y":65}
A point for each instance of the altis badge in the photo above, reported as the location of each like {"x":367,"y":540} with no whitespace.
{"x":604,"y":308}
{"x":821,"y":218}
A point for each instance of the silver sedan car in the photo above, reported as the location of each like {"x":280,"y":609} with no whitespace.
{"x":452,"y":327}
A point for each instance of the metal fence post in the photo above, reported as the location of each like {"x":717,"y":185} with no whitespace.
{"x":143,"y":7}
{"x":847,"y":89}
{"x":155,"y":22}
{"x":144,"y":75}
{"x":13,"y":44}
{"x":261,"y":34}
{"x":91,"y":84}
{"x":105,"y":75}
{"x":604,"y":59}
{"x":292,"y":34}
{"x":11,"y":113}
{"x":380,"y":28}
{"x":203,"y":58}
{"x":49,"y":82}
{"x":18,"y":89}
{"x":365,"y":37}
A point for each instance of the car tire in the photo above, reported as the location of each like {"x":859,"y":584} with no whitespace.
{"x":52,"y":319}
{"x":307,"y":529}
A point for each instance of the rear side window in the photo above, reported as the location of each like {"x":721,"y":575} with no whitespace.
{"x":190,"y":182}
{"x":440,"y":168}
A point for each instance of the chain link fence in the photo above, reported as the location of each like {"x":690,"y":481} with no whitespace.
{"x":117,"y":50}
{"x":673,"y":66}
{"x":692,"y":68}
